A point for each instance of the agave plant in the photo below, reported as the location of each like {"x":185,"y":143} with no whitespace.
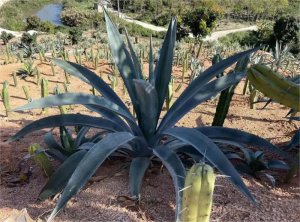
{"x":28,"y":70}
{"x":145,"y":138}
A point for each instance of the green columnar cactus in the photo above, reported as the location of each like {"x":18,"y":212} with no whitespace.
{"x":101,"y":74}
{"x":6,"y":59}
{"x":38,"y":77}
{"x":216,"y":59}
{"x":253,"y":98}
{"x":177,"y":59}
{"x":41,"y":56}
{"x":198,"y":194}
{"x":67,"y":77}
{"x":169,"y":97}
{"x":246,"y":86}
{"x":5,"y":97}
{"x":178,"y":87}
{"x":199,"y":49}
{"x":67,"y":90}
{"x":26,"y":94}
{"x":67,"y":56}
{"x":124,"y":90}
{"x":113,"y":82}
{"x":116,"y":73}
{"x":94,"y":91}
{"x":63,"y":109}
{"x":7,"y":51}
{"x":45,"y":93}
{"x":96,"y":62}
{"x":53,"y":69}
{"x":41,"y":160}
{"x":21,"y":56}
{"x":183,"y":73}
{"x":15,"y":79}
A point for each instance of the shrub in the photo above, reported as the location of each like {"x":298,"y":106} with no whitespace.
{"x":162,"y":20}
{"x":28,"y":39}
{"x":6,"y":37}
{"x":33,"y":23}
{"x":286,"y":30}
{"x":244,"y":38}
{"x":75,"y":35}
{"x":13,"y":24}
{"x":47,"y":26}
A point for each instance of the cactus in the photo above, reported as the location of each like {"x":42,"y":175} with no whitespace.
{"x":41,"y":160}
{"x":38,"y":77}
{"x":226,"y":95}
{"x":246,"y":86}
{"x":124,"y":90}
{"x":96,"y":62}
{"x":216,"y":59}
{"x":177,"y":59}
{"x":45,"y":93}
{"x":198,"y":193}
{"x":199,"y":49}
{"x":67,"y":89}
{"x":67,"y":77}
{"x":26,"y":94}
{"x":94,"y":91}
{"x":169,"y":97}
{"x":101,"y":74}
{"x":5,"y":96}
{"x":41,"y":56}
{"x":15,"y":78}
{"x":6,"y":59}
{"x":113,"y":82}
{"x":136,"y":38}
{"x":253,"y":98}
{"x":62,"y":109}
{"x":53,"y":69}
{"x":275,"y":86}
{"x":183,"y":74}
{"x":178,"y":87}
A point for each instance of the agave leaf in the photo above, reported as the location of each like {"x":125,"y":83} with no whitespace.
{"x":52,"y":144}
{"x":75,"y":98}
{"x":92,"y":79}
{"x":60,"y":178}
{"x":271,"y":178}
{"x":192,"y":152}
{"x":210,"y":151}
{"x":163,"y":68}
{"x":199,"y":82}
{"x":137,"y":65}
{"x":66,"y":120}
{"x":123,"y":60}
{"x":151,"y":64}
{"x":203,"y":93}
{"x":278,"y":164}
{"x":89,"y":164}
{"x":97,"y":135}
{"x":66,"y":139}
{"x":233,"y":156}
{"x":259,"y":155}
{"x":80,"y":136}
{"x":138,"y":168}
{"x":244,"y":169}
{"x":295,"y":141}
{"x":216,"y":132}
{"x":56,"y":155}
{"x":177,"y":171}
{"x":294,"y":118}
{"x":147,"y":98}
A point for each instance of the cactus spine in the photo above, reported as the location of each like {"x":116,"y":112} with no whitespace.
{"x":15,"y":79}
{"x":253,"y":99}
{"x":5,"y":96}
{"x":198,"y":195}
{"x":53,"y":69}
{"x":41,"y":160}
{"x":62,"y":109}
{"x":26,"y":94}
{"x":169,"y":98}
{"x":45,"y":93}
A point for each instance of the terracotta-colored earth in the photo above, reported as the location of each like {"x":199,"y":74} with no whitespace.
{"x":99,"y":201}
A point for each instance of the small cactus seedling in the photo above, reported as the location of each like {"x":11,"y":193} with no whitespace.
{"x":67,"y":77}
{"x":253,"y":98}
{"x":94,"y":91}
{"x":101,"y":74}
{"x":41,"y":159}
{"x":113,"y":82}
{"x":38,"y":77}
{"x":246,"y":86}
{"x":5,"y":96}
{"x":53,"y":69}
{"x":26,"y":94}
{"x":67,"y":90}
{"x":178,"y":87}
{"x":41,"y":56}
{"x":63,"y":109}
{"x":116,"y":73}
{"x":15,"y":78}
{"x":45,"y":93}
{"x":169,"y":98}
{"x":198,"y":193}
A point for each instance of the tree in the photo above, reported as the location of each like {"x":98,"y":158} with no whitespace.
{"x":6,"y":37}
{"x":75,"y":35}
{"x":33,"y":23}
{"x":287,"y":30}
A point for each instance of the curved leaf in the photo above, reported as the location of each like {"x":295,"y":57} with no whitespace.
{"x":203,"y":93}
{"x":234,"y":156}
{"x":123,"y":60}
{"x":66,"y":120}
{"x":216,"y":132}
{"x":271,"y":178}
{"x":147,"y":98}
{"x":92,"y":79}
{"x":80,"y":136}
{"x":278,"y":164}
{"x":295,"y":141}
{"x":177,"y":171}
{"x":163,"y":68}
{"x":138,"y":168}
{"x":56,"y":155}
{"x":61,"y":176}
{"x":89,"y":164}
{"x":203,"y":79}
{"x":210,"y":151}
{"x":52,"y":144}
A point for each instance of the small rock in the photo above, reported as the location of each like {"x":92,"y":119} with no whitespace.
{"x":159,"y":200}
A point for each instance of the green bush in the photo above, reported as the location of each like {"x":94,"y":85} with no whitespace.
{"x":162,"y":20}
{"x":75,"y":35}
{"x":6,"y":37}
{"x":33,"y":23}
{"x":13,"y":24}
{"x":244,"y":38}
{"x":286,"y":30}
{"x":28,"y":39}
{"x":47,"y":26}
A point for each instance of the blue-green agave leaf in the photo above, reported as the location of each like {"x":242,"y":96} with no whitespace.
{"x":89,"y":164}
{"x":52,"y":144}
{"x":177,"y":171}
{"x":278,"y":164}
{"x":60,"y":178}
{"x":147,"y":97}
{"x":211,"y":152}
{"x":295,"y":141}
{"x":138,"y":168}
{"x":80,"y":136}
{"x":56,"y":155}
{"x":66,"y":120}
{"x":271,"y":178}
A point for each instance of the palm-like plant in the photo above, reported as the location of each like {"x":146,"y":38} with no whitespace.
{"x":146,"y":138}
{"x":28,"y":70}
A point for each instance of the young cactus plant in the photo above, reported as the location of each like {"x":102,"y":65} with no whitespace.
{"x":53,"y":69}
{"x":198,"y":194}
{"x":45,"y":93}
{"x":63,"y":109}
{"x":67,"y":90}
{"x":67,"y":77}
{"x":26,"y":94}
{"x":15,"y":78}
{"x":169,"y":98}
{"x":5,"y":96}
{"x":38,"y":77}
{"x":253,"y":98}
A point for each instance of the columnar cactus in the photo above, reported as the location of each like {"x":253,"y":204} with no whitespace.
{"x":5,"y":96}
{"x":45,"y":93}
{"x":62,"y":109}
{"x":169,"y":97}
{"x":15,"y":79}
{"x":26,"y":94}
{"x":67,"y":89}
{"x":113,"y":82}
{"x":53,"y":69}
{"x":198,"y":193}
{"x":67,"y":77}
{"x":41,"y":56}
{"x":253,"y":98}
{"x":38,"y":77}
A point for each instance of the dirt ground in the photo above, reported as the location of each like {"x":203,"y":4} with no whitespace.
{"x":99,"y":201}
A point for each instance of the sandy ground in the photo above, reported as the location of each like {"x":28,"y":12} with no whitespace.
{"x":99,"y":201}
